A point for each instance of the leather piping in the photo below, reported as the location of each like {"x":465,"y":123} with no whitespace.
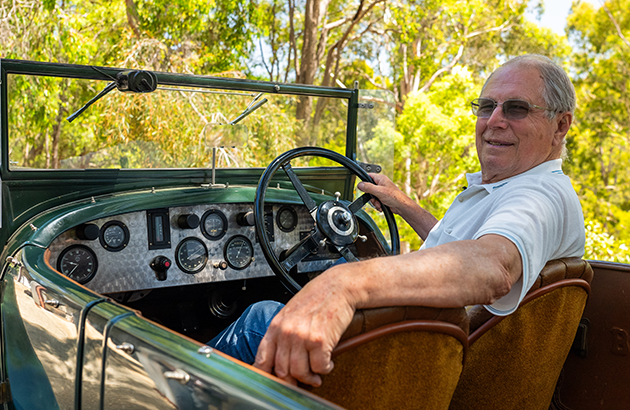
{"x":406,"y":326}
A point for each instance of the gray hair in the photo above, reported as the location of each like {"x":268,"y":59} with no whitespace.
{"x":558,"y":91}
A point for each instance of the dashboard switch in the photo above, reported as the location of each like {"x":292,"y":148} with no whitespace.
{"x":87,"y":232}
{"x":245,"y":218}
{"x":188,"y":221}
{"x":160,"y":264}
{"x":220,"y":265}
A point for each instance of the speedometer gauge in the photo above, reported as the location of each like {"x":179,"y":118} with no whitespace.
{"x":191,"y":255}
{"x":78,"y":262}
{"x":239,"y":252}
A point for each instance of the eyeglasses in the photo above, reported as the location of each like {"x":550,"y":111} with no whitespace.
{"x":512,"y":109}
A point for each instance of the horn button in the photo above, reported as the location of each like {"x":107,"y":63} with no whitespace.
{"x":335,"y":220}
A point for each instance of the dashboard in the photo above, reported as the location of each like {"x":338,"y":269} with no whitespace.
{"x":175,"y":246}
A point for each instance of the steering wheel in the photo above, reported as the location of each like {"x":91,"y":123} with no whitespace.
{"x":336,"y":221}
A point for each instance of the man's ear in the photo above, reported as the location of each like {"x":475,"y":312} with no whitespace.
{"x":564,"y":121}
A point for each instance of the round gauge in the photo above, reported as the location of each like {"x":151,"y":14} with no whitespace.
{"x":286,"y":218}
{"x":214,"y":224}
{"x":191,"y":255}
{"x":78,"y":262}
{"x":238,"y":252}
{"x":114,"y":236}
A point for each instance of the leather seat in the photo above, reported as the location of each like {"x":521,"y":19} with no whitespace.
{"x":514,"y":361}
{"x":398,"y":358}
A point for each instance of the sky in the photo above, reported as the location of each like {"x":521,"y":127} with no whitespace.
{"x":556,"y":12}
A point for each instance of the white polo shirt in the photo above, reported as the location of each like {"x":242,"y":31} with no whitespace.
{"x":537,"y":210}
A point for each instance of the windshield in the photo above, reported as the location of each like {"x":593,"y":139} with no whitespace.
{"x":171,"y":127}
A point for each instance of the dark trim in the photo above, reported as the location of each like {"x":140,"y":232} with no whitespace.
{"x":108,"y":329}
{"x":351,"y":142}
{"x":78,"y":373}
{"x":616,"y":266}
{"x":5,"y":392}
{"x":106,"y":73}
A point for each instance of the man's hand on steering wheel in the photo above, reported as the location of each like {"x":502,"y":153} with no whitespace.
{"x":386,"y":193}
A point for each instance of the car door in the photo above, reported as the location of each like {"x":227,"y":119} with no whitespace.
{"x":41,"y":327}
{"x":148,"y":366}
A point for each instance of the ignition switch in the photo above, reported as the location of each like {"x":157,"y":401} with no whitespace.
{"x":160,"y":264}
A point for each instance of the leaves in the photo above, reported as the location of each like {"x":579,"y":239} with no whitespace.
{"x":433,"y":55}
{"x":600,"y":139}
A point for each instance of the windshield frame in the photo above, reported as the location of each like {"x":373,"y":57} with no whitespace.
{"x":164,"y":79}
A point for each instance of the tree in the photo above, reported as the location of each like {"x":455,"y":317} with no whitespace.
{"x":182,"y":35}
{"x":600,"y":146}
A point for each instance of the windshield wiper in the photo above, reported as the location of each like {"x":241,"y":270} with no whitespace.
{"x":135,"y":81}
{"x":250,"y":109}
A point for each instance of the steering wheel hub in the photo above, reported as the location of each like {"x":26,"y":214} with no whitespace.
{"x":337,"y":223}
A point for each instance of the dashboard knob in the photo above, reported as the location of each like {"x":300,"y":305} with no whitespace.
{"x":87,"y":232}
{"x":160,"y":264}
{"x":245,"y":218}
{"x":220,"y":265}
{"x":188,"y":221}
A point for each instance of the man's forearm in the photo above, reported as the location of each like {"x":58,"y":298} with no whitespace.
{"x":389,"y":194}
{"x":418,"y":218}
{"x":453,"y":275}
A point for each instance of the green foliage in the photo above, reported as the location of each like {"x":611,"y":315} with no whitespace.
{"x":602,"y":246}
{"x":438,"y":135}
{"x":437,"y":144}
{"x":181,"y":35}
{"x":432,"y":55}
{"x":599,"y":142}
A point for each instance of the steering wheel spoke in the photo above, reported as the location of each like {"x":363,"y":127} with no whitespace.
{"x":347,"y":254}
{"x":297,"y":184}
{"x":360,"y":203}
{"x":300,"y":251}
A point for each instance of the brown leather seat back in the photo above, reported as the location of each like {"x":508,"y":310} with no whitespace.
{"x":398,"y":358}
{"x":514,"y":361}
{"x":554,"y":271}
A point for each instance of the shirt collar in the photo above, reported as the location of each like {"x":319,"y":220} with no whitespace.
{"x":553,"y":166}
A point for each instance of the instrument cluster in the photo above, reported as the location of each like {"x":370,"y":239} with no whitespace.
{"x":164,"y":247}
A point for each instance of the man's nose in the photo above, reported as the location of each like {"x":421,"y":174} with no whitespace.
{"x":497,"y":118}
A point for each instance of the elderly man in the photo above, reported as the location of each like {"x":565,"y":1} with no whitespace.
{"x":516,"y":214}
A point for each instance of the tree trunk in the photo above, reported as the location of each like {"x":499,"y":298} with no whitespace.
{"x":314,"y":13}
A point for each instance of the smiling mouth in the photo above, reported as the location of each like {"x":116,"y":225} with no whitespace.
{"x":498,"y":143}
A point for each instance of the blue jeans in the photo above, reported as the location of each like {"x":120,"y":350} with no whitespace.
{"x":241,"y":339}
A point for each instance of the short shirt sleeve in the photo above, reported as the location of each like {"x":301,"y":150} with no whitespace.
{"x":533,"y":217}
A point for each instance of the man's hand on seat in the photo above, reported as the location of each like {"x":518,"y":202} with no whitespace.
{"x":299,"y":342}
